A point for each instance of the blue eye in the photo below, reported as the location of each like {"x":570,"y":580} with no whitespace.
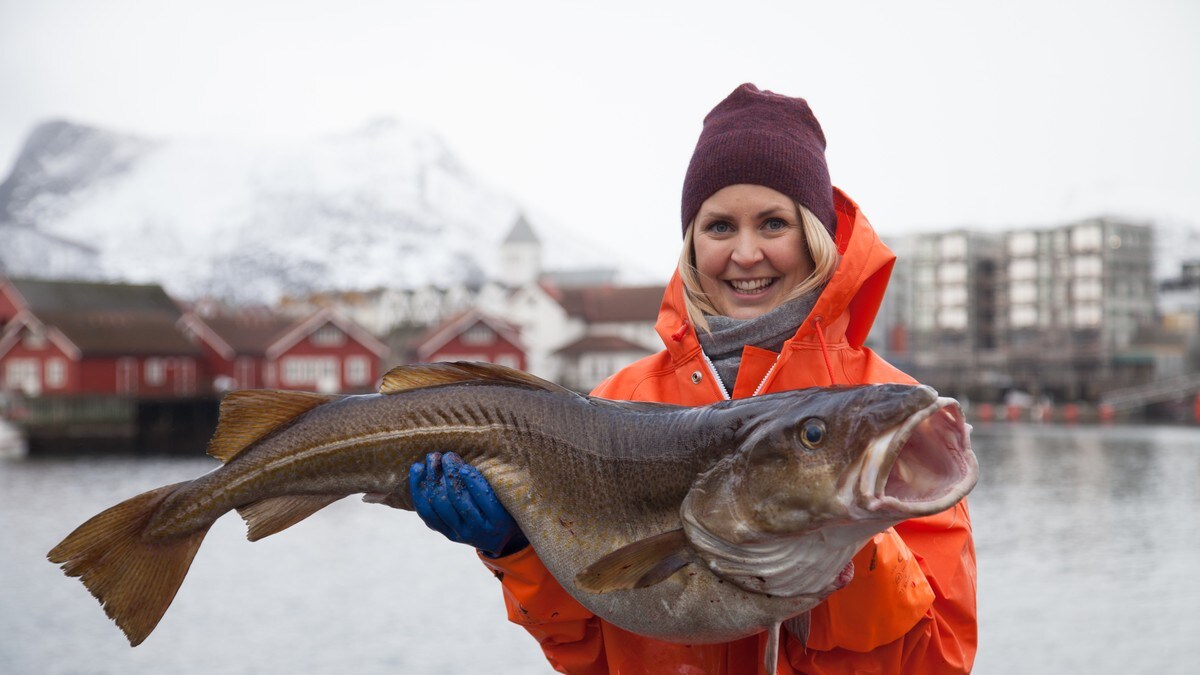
{"x":719,"y":227}
{"x":813,"y":433}
{"x":776,"y":225}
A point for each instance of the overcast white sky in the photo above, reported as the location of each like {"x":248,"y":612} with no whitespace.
{"x":938,"y":114}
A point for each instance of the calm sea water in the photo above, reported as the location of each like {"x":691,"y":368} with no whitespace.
{"x":1086,"y":538}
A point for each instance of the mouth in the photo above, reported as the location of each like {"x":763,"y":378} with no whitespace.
{"x":750,"y":286}
{"x":922,"y":467}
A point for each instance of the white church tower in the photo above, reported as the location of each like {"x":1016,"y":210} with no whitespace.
{"x":520,"y":255}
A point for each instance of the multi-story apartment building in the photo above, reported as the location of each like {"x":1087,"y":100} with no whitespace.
{"x":1052,"y":311}
{"x":939,"y":316}
{"x":1072,"y":301}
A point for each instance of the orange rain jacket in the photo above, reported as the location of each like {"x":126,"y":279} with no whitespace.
{"x":910,"y":607}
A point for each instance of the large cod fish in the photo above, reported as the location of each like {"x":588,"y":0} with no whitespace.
{"x":684,"y":524}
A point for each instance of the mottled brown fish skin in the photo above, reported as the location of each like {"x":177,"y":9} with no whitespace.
{"x":583,"y":477}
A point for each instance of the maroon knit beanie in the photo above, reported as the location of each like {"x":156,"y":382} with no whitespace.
{"x":761,"y":138}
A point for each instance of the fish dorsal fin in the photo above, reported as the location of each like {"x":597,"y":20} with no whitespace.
{"x":643,"y":563}
{"x":249,"y":415}
{"x":421,"y":375}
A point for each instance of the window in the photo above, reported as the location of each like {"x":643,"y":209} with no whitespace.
{"x":954,"y":247}
{"x":479,"y":334}
{"x":1024,"y":292}
{"x":1021,"y":269}
{"x":185,"y":376}
{"x":1086,"y":238}
{"x":953,"y":295}
{"x":1022,"y":316}
{"x":952,"y":273}
{"x":1086,"y":289}
{"x":1022,"y":244}
{"x":509,"y":360}
{"x":156,"y":372}
{"x":309,"y":371}
{"x":1088,"y":265}
{"x":56,"y":373}
{"x":127,"y":370}
{"x":329,"y":335}
{"x":243,"y":372}
{"x":358,"y":371}
{"x":23,"y":375}
{"x":952,"y":318}
{"x":1087,"y":315}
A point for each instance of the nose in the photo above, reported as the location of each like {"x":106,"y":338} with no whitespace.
{"x":747,"y":250}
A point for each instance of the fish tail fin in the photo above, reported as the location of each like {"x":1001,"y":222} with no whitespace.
{"x":135,"y":580}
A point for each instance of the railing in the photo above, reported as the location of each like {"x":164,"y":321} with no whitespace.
{"x":47,"y":411}
{"x":1129,"y":398}
{"x":111,"y":423}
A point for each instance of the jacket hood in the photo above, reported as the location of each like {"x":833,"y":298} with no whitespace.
{"x":844,"y":312}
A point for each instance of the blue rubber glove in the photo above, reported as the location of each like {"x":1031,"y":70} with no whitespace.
{"x":453,"y":498}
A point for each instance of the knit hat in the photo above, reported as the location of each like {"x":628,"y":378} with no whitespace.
{"x":761,"y":138}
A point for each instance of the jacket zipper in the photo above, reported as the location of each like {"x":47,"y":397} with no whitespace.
{"x":712,"y":368}
{"x":716,"y":378}
{"x":762,"y":385}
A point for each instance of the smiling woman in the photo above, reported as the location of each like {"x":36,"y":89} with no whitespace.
{"x":779,"y":280}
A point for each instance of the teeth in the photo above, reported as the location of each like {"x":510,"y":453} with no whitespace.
{"x":750,"y":285}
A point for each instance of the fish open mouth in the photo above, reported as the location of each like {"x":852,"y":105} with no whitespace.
{"x":922,"y":467}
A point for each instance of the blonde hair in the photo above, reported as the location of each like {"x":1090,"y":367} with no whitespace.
{"x":821,"y":248}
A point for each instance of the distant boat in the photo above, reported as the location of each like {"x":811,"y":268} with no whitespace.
{"x":12,"y":443}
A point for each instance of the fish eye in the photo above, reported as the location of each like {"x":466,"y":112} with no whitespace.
{"x":812,"y":433}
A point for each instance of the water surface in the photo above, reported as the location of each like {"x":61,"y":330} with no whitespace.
{"x":1085,"y":537}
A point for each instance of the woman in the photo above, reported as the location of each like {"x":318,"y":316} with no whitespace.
{"x":779,"y":281}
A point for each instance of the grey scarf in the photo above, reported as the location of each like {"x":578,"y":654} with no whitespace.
{"x":724,"y":344}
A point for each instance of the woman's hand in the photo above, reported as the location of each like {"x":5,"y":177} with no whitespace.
{"x":453,"y":498}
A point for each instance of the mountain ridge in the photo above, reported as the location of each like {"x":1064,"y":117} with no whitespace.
{"x":387,"y":204}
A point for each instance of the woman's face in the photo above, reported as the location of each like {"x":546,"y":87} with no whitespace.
{"x":750,"y":250}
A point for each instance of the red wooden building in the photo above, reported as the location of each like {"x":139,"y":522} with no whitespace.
{"x":472,"y":336}
{"x":235,"y":345}
{"x":71,"y":338}
{"x":323,"y":352}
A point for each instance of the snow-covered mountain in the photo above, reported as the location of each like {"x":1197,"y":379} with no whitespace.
{"x":386,"y":205}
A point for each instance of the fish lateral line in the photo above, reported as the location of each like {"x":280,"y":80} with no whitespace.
{"x":250,"y":415}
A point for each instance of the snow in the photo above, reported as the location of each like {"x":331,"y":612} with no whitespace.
{"x":387,"y":205}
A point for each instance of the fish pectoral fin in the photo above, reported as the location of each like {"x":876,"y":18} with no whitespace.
{"x":249,"y":415}
{"x":798,"y":626}
{"x":268,"y":516}
{"x":638,"y":565}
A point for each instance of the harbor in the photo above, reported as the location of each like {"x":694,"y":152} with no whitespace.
{"x":1082,"y":532}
